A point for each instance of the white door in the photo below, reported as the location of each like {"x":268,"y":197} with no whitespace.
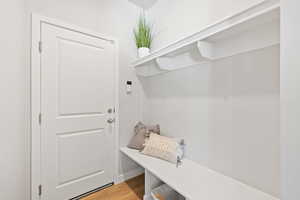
{"x":77,"y":91}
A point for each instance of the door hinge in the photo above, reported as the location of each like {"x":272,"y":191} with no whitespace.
{"x":40,"y":46}
{"x":40,"y":190}
{"x":40,"y":118}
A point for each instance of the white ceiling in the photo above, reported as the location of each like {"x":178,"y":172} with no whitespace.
{"x":146,"y":4}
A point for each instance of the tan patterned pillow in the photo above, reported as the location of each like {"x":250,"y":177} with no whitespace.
{"x":161,"y":147}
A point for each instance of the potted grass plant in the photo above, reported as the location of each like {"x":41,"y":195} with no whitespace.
{"x":143,"y":37}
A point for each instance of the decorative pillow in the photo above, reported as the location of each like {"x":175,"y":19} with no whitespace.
{"x":141,"y":132}
{"x":138,"y":140}
{"x":139,"y":126}
{"x":161,"y":147}
{"x":153,"y":129}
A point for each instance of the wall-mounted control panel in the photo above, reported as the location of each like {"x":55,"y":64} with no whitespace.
{"x":128,"y":87}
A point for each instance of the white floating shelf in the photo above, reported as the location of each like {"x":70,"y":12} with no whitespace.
{"x":255,"y":28}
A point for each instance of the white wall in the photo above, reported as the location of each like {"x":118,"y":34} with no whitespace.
{"x":290,"y":98}
{"x":174,"y":19}
{"x":109,"y":17}
{"x":228,"y":111}
{"x":12,"y":104}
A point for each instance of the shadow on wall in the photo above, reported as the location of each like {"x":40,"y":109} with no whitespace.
{"x":228,"y":113}
{"x":249,"y":74}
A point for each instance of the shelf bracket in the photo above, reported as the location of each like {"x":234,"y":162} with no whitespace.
{"x":194,"y":55}
{"x":205,"y":49}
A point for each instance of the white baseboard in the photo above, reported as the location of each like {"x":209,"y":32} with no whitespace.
{"x":128,"y":175}
{"x":148,"y":197}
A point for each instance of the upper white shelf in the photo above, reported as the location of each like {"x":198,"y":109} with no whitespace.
{"x":255,"y":28}
{"x":196,"y":182}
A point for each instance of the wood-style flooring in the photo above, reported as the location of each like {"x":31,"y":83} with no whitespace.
{"x":133,"y":189}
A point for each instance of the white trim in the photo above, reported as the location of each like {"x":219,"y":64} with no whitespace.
{"x":36,"y":96}
{"x":129,"y":175}
{"x":147,"y":197}
{"x":117,"y":108}
{"x":35,"y":109}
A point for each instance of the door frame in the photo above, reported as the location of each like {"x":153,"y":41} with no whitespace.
{"x":36,"y":21}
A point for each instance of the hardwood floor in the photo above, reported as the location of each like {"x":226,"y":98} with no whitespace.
{"x":133,"y":189}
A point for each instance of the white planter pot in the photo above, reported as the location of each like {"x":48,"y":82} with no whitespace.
{"x":143,"y":51}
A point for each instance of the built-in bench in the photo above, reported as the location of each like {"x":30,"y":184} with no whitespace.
{"x":193,"y":181}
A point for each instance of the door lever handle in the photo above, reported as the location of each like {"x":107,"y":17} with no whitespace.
{"x":110,"y":120}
